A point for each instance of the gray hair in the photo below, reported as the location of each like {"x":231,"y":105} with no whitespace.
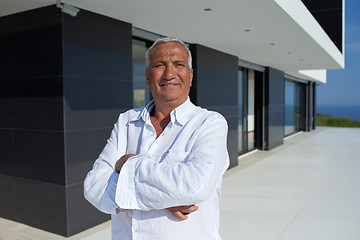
{"x":166,"y":40}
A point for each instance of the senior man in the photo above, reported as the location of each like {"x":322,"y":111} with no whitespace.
{"x":160,"y":173}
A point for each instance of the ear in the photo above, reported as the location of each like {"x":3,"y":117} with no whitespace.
{"x":191,"y":76}
{"x":147,"y":78}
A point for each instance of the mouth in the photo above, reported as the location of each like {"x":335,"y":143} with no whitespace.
{"x":168,"y":84}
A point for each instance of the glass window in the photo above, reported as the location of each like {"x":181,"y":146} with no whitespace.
{"x":240,"y":108}
{"x":142,"y":93}
{"x":300,"y":104}
{"x":250,"y":125}
{"x":289,"y":107}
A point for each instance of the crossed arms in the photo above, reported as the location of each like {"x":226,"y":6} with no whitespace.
{"x":125,"y":181}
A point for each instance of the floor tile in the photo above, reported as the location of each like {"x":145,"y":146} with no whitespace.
{"x":306,"y":189}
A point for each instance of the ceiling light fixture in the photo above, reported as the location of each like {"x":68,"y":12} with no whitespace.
{"x":66,"y":8}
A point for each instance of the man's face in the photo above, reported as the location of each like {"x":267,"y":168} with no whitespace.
{"x":168,"y":75}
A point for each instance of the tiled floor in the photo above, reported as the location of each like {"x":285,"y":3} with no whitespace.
{"x":306,"y":189}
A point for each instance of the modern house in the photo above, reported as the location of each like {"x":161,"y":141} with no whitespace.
{"x":69,"y":68}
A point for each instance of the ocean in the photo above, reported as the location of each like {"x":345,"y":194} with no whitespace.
{"x":348,"y":111}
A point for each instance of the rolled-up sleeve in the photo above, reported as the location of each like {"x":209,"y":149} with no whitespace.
{"x":146,"y":184}
{"x":100,"y":182}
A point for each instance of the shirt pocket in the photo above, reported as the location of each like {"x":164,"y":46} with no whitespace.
{"x":174,"y":156}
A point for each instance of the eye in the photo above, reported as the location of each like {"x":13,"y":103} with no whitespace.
{"x":158,"y":65}
{"x":180,"y":64}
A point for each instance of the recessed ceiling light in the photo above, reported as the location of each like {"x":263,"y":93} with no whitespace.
{"x":207,"y":9}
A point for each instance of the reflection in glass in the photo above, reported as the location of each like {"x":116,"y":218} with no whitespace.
{"x":142,"y":93}
{"x":240,"y":108}
{"x":289,"y":107}
{"x":251,"y":110}
{"x":300,"y":91}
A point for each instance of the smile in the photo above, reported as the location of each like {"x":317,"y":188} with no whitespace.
{"x":168,"y":84}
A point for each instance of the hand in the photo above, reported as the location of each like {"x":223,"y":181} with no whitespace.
{"x":121,"y":162}
{"x":180,"y":212}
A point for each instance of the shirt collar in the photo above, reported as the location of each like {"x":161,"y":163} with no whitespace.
{"x":180,"y":114}
{"x":145,"y":113}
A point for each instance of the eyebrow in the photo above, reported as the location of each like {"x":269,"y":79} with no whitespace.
{"x":165,"y":61}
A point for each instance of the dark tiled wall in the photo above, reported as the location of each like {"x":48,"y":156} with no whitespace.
{"x":64,"y":82}
{"x":274,"y":108}
{"x":31,"y":94}
{"x":215,"y":87}
{"x":97,"y":86}
{"x":97,"y":77}
{"x":31,"y":124}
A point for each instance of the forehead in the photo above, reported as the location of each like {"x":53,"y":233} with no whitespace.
{"x":169,"y":49}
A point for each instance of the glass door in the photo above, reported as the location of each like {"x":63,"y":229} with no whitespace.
{"x":240,"y":112}
{"x":246,"y":105}
{"x":251,"y":110}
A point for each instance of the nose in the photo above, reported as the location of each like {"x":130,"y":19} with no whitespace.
{"x":169,"y":72}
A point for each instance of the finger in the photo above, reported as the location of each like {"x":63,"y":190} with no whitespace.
{"x":184,"y":209}
{"x":179,"y":215}
{"x":189,"y":209}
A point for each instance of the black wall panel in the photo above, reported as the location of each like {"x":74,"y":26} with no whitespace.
{"x":97,"y":83}
{"x":39,"y":155}
{"x":79,"y":208}
{"x":82,"y":149}
{"x":215,"y":87}
{"x":6,"y":102}
{"x":274,"y":108}
{"x":42,"y":205}
{"x":64,"y":82}
{"x":7,"y":152}
{"x":7,"y":199}
{"x":31,"y":95}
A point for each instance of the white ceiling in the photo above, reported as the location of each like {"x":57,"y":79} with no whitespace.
{"x":274,"y":39}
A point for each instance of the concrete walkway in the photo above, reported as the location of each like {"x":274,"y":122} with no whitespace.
{"x":306,"y":189}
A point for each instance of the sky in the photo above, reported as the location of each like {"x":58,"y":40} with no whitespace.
{"x":343,"y":86}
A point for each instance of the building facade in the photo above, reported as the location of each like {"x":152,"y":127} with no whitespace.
{"x":68,"y":70}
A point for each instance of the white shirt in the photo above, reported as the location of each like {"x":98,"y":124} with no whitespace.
{"x":182,"y":166}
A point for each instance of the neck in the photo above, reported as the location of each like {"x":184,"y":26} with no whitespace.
{"x":160,"y":118}
{"x":162,"y":111}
